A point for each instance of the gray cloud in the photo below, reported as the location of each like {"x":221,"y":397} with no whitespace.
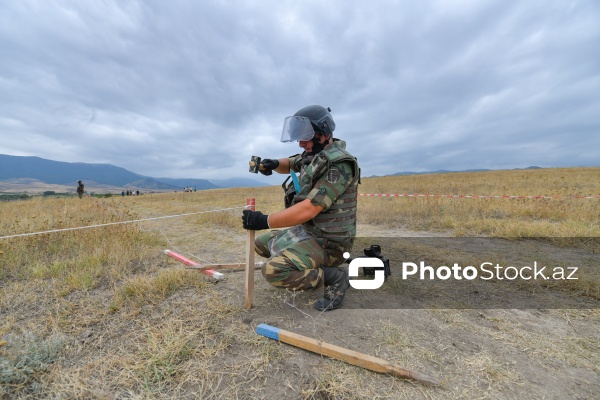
{"x":193,"y":89}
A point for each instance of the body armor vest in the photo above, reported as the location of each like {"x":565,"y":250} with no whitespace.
{"x":337,"y":224}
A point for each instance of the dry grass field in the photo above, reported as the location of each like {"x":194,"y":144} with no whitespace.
{"x":102,"y":313}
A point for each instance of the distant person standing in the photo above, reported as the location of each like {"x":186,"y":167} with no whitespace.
{"x":80,"y":189}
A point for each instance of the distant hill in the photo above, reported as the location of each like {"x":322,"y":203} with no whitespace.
{"x":238,"y":182}
{"x":64,"y":173}
{"x":151,"y":184}
{"x":443,"y":171}
{"x":199,"y":184}
{"x":18,"y":169}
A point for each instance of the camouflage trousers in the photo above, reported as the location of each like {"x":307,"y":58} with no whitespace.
{"x":296,"y":259}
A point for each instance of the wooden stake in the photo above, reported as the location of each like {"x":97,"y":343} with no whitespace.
{"x":249,"y":282}
{"x":240,"y":266}
{"x":339,"y":353}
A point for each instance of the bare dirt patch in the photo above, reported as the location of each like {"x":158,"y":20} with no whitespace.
{"x":476,"y":353}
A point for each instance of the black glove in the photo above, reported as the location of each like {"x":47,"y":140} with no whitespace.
{"x":255,"y":220}
{"x":268,"y":165}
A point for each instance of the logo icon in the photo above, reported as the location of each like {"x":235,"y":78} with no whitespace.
{"x":366,"y":262}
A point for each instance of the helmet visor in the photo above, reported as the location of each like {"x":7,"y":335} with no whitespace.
{"x":297,"y":128}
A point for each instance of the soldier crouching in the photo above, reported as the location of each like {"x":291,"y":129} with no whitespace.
{"x":322,"y":211}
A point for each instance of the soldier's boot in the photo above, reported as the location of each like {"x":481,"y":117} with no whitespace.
{"x":336,"y":284}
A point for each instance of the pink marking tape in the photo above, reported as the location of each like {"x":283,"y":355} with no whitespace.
{"x":473,"y":196}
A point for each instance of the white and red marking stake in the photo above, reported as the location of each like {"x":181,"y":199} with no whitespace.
{"x":212,"y":273}
{"x":249,"y":267}
{"x":249,"y":279}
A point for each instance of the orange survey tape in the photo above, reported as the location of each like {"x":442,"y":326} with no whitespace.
{"x":454,"y":196}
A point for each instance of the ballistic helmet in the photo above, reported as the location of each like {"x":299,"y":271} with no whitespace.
{"x":307,"y":121}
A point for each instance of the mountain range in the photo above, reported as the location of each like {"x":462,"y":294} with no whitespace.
{"x":443,"y":171}
{"x":23,"y":170}
{"x":20,"y":173}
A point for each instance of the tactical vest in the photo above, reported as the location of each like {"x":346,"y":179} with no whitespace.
{"x":338,"y":223}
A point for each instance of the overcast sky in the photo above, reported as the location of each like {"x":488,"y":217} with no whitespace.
{"x":192,"y":89}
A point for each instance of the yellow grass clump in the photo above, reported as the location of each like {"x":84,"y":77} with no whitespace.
{"x":501,"y":217}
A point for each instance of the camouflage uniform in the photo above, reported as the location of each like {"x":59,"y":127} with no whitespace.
{"x":80,"y":190}
{"x":329,"y":179}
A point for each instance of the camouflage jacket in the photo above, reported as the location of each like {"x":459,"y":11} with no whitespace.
{"x":330,"y":179}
